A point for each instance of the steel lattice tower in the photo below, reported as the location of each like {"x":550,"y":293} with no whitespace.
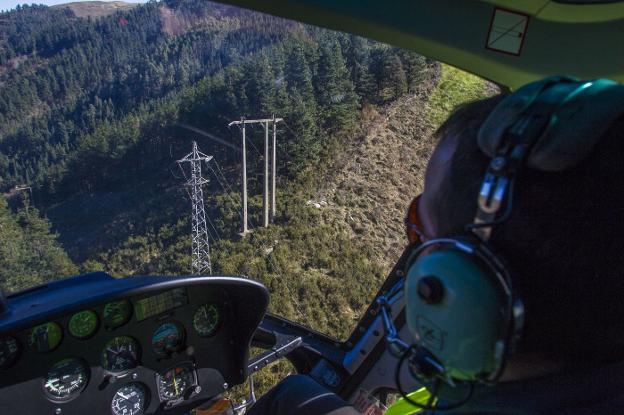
{"x":201,"y":246}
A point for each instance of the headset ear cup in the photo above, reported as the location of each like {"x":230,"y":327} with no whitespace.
{"x":457,"y":310}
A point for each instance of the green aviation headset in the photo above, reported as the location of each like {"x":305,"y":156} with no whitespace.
{"x":461,"y":309}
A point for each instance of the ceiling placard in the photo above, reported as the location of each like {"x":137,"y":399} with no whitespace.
{"x":507,"y":31}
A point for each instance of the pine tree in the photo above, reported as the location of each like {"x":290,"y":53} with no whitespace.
{"x":299,"y":75}
{"x":335,"y":90}
{"x":365,"y":84}
{"x":30,"y":254}
{"x":260,"y":86}
{"x":394,"y":80}
{"x":358,"y":59}
{"x":305,"y":147}
{"x":415,"y":65}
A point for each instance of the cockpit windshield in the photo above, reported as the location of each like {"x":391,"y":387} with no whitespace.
{"x":184,"y":137}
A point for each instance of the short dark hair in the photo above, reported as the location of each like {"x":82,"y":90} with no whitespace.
{"x":563,"y":242}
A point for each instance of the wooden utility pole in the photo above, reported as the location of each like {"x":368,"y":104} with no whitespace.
{"x":265,"y":201}
{"x":244,"y":192}
{"x":274,"y":168}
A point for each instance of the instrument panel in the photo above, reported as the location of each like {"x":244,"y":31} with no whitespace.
{"x":140,"y":354}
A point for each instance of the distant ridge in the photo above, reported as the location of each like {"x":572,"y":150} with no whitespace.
{"x":96,"y":8}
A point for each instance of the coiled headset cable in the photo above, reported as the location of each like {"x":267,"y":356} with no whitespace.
{"x":403,"y":351}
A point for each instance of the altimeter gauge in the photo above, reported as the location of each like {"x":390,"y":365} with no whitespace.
{"x":130,"y":399}
{"x":206,"y":320}
{"x":66,"y":379}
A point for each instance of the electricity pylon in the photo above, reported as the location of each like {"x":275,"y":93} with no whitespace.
{"x":201,"y":246}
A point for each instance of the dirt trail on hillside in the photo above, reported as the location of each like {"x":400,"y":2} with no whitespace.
{"x":376,"y":179}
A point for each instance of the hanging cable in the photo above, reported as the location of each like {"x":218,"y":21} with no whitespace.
{"x":254,"y":146}
{"x":431,"y":404}
{"x":288,"y":127}
{"x":210,"y":235}
{"x":225,"y":192}
{"x":215,"y":229}
{"x":183,"y":172}
{"x":175,"y":176}
{"x":223,"y":175}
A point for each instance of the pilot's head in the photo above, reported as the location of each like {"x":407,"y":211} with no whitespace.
{"x":562,"y":243}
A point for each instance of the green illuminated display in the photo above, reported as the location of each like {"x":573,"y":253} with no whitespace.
{"x":45,"y":337}
{"x":83,"y":324}
{"x":157,"y":304}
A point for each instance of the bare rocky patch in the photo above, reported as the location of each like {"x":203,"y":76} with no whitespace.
{"x":96,"y":8}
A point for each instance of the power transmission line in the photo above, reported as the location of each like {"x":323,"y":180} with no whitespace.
{"x":255,"y":148}
{"x":201,"y":246}
{"x":218,"y":237}
{"x":289,"y":129}
{"x":223,"y":175}
{"x":225,"y":192}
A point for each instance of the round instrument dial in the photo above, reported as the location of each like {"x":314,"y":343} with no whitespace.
{"x":83,"y":324}
{"x":120,"y":354}
{"x":168,"y":338}
{"x":173,"y":384}
{"x":66,"y":379}
{"x":9,"y":351}
{"x":45,"y":337}
{"x":206,"y":320}
{"x":130,"y":399}
{"x":116,"y":314}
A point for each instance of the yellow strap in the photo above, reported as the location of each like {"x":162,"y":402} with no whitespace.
{"x":402,"y":407}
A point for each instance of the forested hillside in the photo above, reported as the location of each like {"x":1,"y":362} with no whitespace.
{"x":62,"y":77}
{"x":29,"y":252}
{"x":92,"y":106}
{"x":91,"y":109}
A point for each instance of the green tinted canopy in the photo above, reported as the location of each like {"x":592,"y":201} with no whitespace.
{"x":511,"y":42}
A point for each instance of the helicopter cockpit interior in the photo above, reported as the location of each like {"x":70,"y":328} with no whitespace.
{"x":169,"y":344}
{"x":153,"y":344}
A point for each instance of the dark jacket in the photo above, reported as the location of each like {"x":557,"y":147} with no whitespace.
{"x":597,"y":391}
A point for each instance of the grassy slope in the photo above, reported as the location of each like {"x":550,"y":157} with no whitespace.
{"x":383,"y":170}
{"x":455,"y":87}
{"x":373,"y":180}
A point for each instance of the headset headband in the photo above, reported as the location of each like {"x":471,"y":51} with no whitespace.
{"x":541,"y":126}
